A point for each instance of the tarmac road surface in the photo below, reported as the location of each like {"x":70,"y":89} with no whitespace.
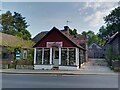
{"x":41,"y":81}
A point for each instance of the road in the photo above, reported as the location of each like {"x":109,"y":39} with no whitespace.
{"x":45,"y":81}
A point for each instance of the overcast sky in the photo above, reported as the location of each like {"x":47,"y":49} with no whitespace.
{"x":42,"y":16}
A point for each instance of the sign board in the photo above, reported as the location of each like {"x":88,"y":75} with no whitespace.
{"x":54,"y":44}
{"x":17,"y":55}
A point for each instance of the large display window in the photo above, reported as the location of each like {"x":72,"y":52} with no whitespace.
{"x":64,"y":56}
{"x":39,"y":56}
{"x":46,"y":59}
{"x":72,"y":56}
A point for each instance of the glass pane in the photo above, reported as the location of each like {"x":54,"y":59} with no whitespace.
{"x":72,"y":56}
{"x":64,"y":56}
{"x":46,"y":56}
{"x":25,"y":54}
{"x":39,"y":56}
{"x":81,"y":56}
{"x":56,"y":54}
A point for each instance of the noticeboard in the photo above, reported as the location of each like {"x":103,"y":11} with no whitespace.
{"x":17,"y":55}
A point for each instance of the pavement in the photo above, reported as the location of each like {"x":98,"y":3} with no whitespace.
{"x":92,"y":67}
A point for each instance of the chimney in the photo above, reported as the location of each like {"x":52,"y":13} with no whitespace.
{"x":66,"y":28}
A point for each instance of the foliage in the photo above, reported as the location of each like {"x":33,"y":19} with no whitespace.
{"x":92,"y":37}
{"x":109,"y":53}
{"x":73,"y":32}
{"x":6,"y":21}
{"x":112,"y":22}
{"x":6,"y":52}
{"x":115,"y":57}
{"x":112,"y":25}
{"x":30,"y":55}
{"x":24,"y":62}
{"x":15,"y":25}
{"x":103,"y":33}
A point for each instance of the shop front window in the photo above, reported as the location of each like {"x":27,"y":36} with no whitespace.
{"x":39,"y":56}
{"x":81,"y":56}
{"x":25,"y":54}
{"x":46,"y":60}
{"x":72,"y":56}
{"x":64,"y":56}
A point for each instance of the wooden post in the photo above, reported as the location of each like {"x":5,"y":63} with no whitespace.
{"x":77,"y":55}
{"x":67,"y":56}
{"x":59,"y":56}
{"x":42,"y":55}
{"x":34,"y":55}
{"x":50,"y":55}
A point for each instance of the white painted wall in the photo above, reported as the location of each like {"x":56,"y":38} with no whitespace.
{"x":50,"y":55}
{"x":34,"y":55}
{"x":43,"y":66}
{"x":59,"y":56}
{"x":60,"y":67}
{"x":42,"y":55}
{"x":68,"y":67}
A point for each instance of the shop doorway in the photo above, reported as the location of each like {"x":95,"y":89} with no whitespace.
{"x":55,"y":57}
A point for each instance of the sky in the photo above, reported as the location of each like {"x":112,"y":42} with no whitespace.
{"x":43,"y":16}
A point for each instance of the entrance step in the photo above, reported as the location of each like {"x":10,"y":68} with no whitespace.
{"x":55,"y":68}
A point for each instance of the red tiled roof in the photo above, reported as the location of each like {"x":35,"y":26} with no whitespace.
{"x":79,"y":40}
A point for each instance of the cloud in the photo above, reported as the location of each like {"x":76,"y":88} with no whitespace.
{"x":95,"y":19}
{"x":92,"y":5}
{"x":99,"y":5}
{"x":100,"y":10}
{"x":4,"y":10}
{"x":59,"y":0}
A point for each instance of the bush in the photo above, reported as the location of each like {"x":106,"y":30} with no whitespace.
{"x":115,"y":57}
{"x":24,"y":62}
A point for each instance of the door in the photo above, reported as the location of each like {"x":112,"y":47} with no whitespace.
{"x":55,"y":57}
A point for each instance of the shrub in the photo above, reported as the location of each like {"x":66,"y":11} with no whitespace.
{"x":115,"y":57}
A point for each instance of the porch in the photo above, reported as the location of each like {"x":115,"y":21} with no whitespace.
{"x":58,"y":57}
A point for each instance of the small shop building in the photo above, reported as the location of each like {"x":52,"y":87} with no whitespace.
{"x":14,"y":49}
{"x":57,"y":49}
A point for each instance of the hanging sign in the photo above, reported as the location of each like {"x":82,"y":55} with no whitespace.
{"x":17,"y":55}
{"x":54,"y":44}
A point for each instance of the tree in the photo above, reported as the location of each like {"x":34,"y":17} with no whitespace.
{"x":91,"y":36}
{"x":113,"y":17}
{"x":84,"y":33}
{"x":6,"y":21}
{"x":103,"y":34}
{"x":19,"y":22}
{"x":113,"y":21}
{"x":20,"y":25}
{"x":100,"y":39}
{"x":73,"y":32}
{"x":15,"y":25}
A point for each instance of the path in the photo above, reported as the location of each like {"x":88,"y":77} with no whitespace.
{"x":96,"y":66}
